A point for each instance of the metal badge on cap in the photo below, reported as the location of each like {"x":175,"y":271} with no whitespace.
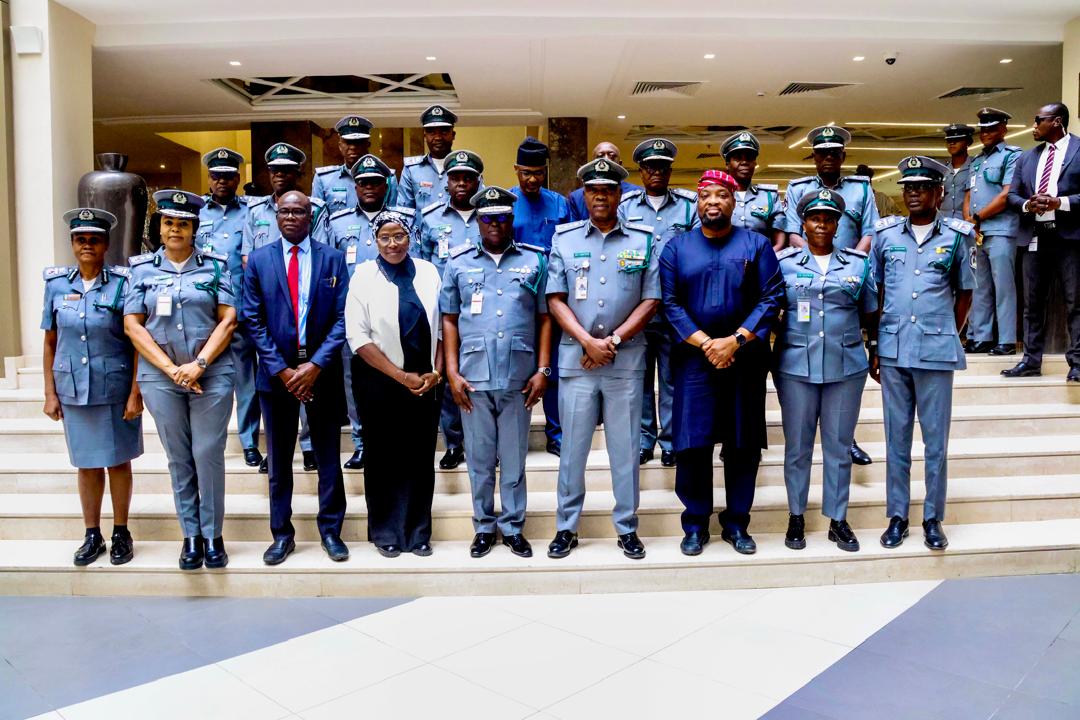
{"x":86,"y":215}
{"x":602,"y":166}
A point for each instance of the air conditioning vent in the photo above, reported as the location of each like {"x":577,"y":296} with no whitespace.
{"x":670,"y":89}
{"x":982,"y":92}
{"x":819,"y":88}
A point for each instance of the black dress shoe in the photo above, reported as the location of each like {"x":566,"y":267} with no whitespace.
{"x":252,"y":457}
{"x":278,"y":551}
{"x":644,"y":456}
{"x":841,"y":534}
{"x":933,"y":535}
{"x":335,"y":548}
{"x":518,"y":545}
{"x":423,"y":549}
{"x":1022,"y":369}
{"x":631,"y":545}
{"x":667,"y":458}
{"x":356,"y":462}
{"x":896,"y":532}
{"x":969,"y":345}
{"x":740,"y":540}
{"x":264,"y":466}
{"x":564,"y":542}
{"x":216,"y":557}
{"x":122,"y":550}
{"x":554,"y":447}
{"x":92,"y":548}
{"x":389,"y":551}
{"x":310,"y":463}
{"x":1074,"y":375}
{"x":453,"y":457}
{"x":1003,"y":349}
{"x":859,"y":456}
{"x":482,"y":544}
{"x":694,"y":542}
{"x":981,"y":347}
{"x":795,"y":538}
{"x":191,"y":553}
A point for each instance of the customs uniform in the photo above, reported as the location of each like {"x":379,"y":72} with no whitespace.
{"x":180,"y":309}
{"x":94,"y":361}
{"x":496,"y":304}
{"x":994,"y":257}
{"x":957,"y":181}
{"x":221,"y":230}
{"x":821,"y":371}
{"x":423,"y":179}
{"x":918,"y":346}
{"x":860,"y":212}
{"x":758,"y":207}
{"x":334,"y":184}
{"x":603,"y":279}
{"x":675,"y":213}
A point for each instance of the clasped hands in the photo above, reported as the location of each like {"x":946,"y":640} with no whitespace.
{"x":598,"y":352}
{"x":1040,"y":203}
{"x":419,"y":383}
{"x":301,"y":381}
{"x":187,"y":376}
{"x":720,"y":352}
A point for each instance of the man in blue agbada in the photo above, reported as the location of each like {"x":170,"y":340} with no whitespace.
{"x":721,"y":292}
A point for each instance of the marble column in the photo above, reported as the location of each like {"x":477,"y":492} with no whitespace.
{"x":568,"y":139}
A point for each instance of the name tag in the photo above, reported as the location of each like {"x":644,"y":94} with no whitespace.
{"x":477,"y":305}
{"x":339,"y":189}
{"x":444,"y":247}
{"x":804,"y":311}
{"x":808,"y":276}
{"x":72,"y":296}
{"x":425,"y":184}
{"x":971,"y":184}
{"x":262,"y":223}
{"x":164,"y":305}
{"x":581,"y":287}
{"x":350,"y":255}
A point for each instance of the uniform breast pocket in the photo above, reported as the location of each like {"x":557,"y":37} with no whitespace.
{"x":117,"y":378}
{"x":630,"y":280}
{"x":337,"y":201}
{"x":939,"y":342}
{"x":473,"y":363}
{"x":63,"y":377}
{"x":522,"y":358}
{"x":794,"y":355}
{"x":889,"y":338}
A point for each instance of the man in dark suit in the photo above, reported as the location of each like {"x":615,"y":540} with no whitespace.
{"x":294,"y":313}
{"x":1046,"y":193}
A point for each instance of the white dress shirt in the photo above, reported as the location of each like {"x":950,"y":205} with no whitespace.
{"x":304,"y":284}
{"x":1060,"y":147}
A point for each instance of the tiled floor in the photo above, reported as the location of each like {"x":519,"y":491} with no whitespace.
{"x":1001,"y":648}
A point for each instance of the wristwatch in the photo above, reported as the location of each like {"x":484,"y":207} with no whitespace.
{"x":616,"y":340}
{"x":740,"y":339}
{"x":201,"y":362}
{"x":545,"y":371}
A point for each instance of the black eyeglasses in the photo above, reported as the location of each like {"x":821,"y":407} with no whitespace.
{"x":488,"y":219}
{"x":1040,"y":118}
{"x":292,"y":212}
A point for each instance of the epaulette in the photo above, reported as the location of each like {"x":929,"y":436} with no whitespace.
{"x":140,"y":259}
{"x":55,"y":271}
{"x":214,"y":255}
{"x":631,"y":195}
{"x":533,"y":248}
{"x":317,"y":202}
{"x":857,"y":178}
{"x":768,"y":187}
{"x":253,"y":200}
{"x":121,"y":270}
{"x":461,"y":249}
{"x":788,"y":252}
{"x":639,"y":226}
{"x":887,"y":222}
{"x":432,"y":206}
{"x":684,"y":193}
{"x":402,"y":210}
{"x":570,"y":225}
{"x":856,"y":253}
{"x":961,"y":226}
{"x":1013,"y":148}
{"x":800,"y":181}
{"x":343,"y":212}
{"x":413,"y":160}
{"x":327,"y":168}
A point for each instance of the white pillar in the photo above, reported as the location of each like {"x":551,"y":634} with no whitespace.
{"x":1070,"y":70}
{"x":52,"y":94}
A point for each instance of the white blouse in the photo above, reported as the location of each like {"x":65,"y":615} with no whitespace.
{"x":371,"y":308}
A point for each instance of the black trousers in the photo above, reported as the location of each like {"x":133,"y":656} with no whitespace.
{"x":1059,"y":258}
{"x":400,"y":431}
{"x":694,"y":486}
{"x":281,"y":411}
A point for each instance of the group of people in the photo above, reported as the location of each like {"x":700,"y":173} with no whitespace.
{"x":402,"y":306}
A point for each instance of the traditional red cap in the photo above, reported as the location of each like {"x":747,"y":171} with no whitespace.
{"x":717,"y":177}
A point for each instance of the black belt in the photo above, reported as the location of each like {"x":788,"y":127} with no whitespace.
{"x":301,"y":352}
{"x":1045,"y":226}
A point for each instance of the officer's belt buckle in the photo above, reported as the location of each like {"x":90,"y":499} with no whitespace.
{"x":301,"y":352}
{"x":1045,"y":227}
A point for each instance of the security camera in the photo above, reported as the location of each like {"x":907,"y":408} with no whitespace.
{"x":890,"y":59}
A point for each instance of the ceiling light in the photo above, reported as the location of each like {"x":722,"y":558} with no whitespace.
{"x":1005,"y":61}
{"x":620,"y":117}
{"x":162,"y":166}
{"x":859,"y":58}
{"x":429,"y":58}
{"x":710,"y":56}
{"x":235,"y":63}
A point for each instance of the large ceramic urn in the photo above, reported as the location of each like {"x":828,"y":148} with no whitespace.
{"x":124,"y":195}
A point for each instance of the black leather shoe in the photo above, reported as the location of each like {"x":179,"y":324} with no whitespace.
{"x":667,"y":458}
{"x":356,"y":462}
{"x":644,"y":456}
{"x":841,"y":534}
{"x":518,"y":545}
{"x":933,"y":535}
{"x":310,"y":463}
{"x":191,"y":553}
{"x":252,"y":457}
{"x":969,"y":345}
{"x":795,"y":538}
{"x":1022,"y":369}
{"x":278,"y":551}
{"x":482,"y":544}
{"x":896,"y":532}
{"x":92,"y":548}
{"x":389,"y":551}
{"x":1003,"y":349}
{"x":859,"y":456}
{"x":335,"y":548}
{"x":423,"y":550}
{"x":564,"y":542}
{"x":694,"y":542}
{"x":978,"y":348}
{"x":554,"y":447}
{"x":264,"y":466}
{"x":1074,"y":375}
{"x":454,"y":456}
{"x":631,"y":545}
{"x":216,"y":557}
{"x":122,"y":550}
{"x":740,"y":540}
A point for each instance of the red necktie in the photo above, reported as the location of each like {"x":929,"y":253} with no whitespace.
{"x":1044,"y":181}
{"x":294,"y":286}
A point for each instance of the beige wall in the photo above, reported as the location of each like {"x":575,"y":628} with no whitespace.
{"x":9,"y":286}
{"x":1070,"y":70}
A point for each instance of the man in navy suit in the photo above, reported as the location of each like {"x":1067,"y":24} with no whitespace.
{"x":1046,"y":193}
{"x":294,"y":313}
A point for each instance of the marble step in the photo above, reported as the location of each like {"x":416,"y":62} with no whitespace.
{"x":43,"y":567}
{"x":971,"y":500}
{"x":968,"y":457}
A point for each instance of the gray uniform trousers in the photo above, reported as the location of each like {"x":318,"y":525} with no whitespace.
{"x":497,"y":427}
{"x":248,"y":415}
{"x":193,"y":430}
{"x":995,"y":291}
{"x":581,"y":398}
{"x":350,"y":402}
{"x":657,"y":371}
{"x":803,"y":405}
{"x":903,"y":392}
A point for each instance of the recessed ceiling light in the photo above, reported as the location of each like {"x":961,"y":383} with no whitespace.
{"x":1005,"y":61}
{"x":621,"y":117}
{"x":859,"y":58}
{"x":429,"y":58}
{"x":710,"y":56}
{"x":162,"y":166}
{"x":235,"y":63}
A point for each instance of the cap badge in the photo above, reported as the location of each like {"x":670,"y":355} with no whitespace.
{"x":86,"y":215}
{"x":369,"y":162}
{"x":436,"y":111}
{"x":281,"y":150}
{"x":353,"y":122}
{"x":462,"y":157}
{"x":914,"y":163}
{"x":492,"y":194}
{"x":824,"y":195}
{"x":828,"y":132}
{"x":179,"y":198}
{"x":223,"y":154}
{"x":658,"y":145}
{"x":602,"y":166}
{"x":744,"y":137}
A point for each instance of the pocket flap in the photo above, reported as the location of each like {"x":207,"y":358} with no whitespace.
{"x":852,"y":339}
{"x":62,"y":363}
{"x":794,"y":339}
{"x":520,"y":343}
{"x":471,"y":344}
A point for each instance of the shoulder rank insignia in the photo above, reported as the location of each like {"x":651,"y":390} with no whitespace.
{"x":684,"y":193}
{"x":343,"y":212}
{"x":140,"y":259}
{"x":961,"y":226}
{"x":788,"y":252}
{"x":326,"y":168}
{"x":413,"y":160}
{"x":639,"y":226}
{"x":570,"y":225}
{"x":631,"y":195}
{"x":804,"y":179}
{"x":55,"y":271}
{"x":432,"y":206}
{"x":461,"y":249}
{"x":403,"y":210}
{"x":527,"y":246}
{"x":120,"y":270}
{"x":887,"y":222}
{"x":856,"y":253}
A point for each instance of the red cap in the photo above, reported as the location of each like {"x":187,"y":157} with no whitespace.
{"x":717,"y":177}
